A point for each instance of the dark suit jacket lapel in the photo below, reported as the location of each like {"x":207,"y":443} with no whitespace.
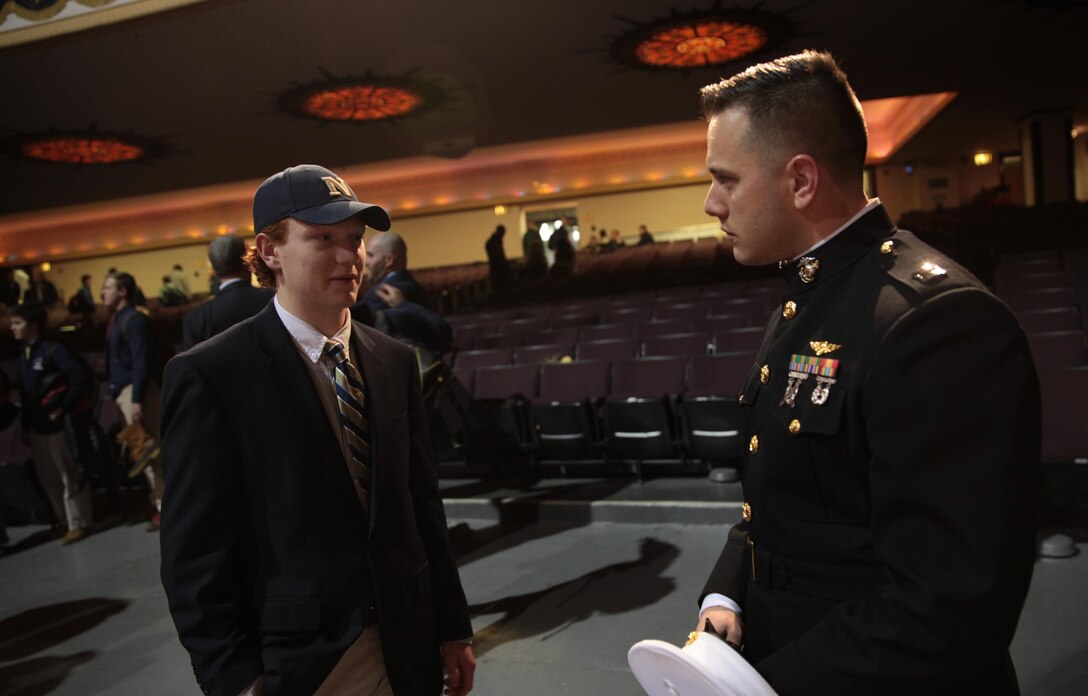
{"x":292,"y":380}
{"x":378,"y":382}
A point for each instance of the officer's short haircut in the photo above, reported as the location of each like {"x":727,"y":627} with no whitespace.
{"x":32,"y":313}
{"x":798,"y":104}
{"x":227,"y":255}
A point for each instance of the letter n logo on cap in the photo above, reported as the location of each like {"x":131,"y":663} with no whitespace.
{"x":337,"y":187}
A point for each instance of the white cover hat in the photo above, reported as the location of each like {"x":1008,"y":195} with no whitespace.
{"x":706,"y":666}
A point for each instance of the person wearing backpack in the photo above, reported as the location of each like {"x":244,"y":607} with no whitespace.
{"x":54,"y":385}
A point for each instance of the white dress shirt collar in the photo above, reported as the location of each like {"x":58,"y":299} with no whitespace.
{"x":309,"y":340}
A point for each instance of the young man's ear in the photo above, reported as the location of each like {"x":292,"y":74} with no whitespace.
{"x":266,"y":248}
{"x":804,"y":176}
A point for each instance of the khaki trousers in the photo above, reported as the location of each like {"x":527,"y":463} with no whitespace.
{"x":360,"y":671}
{"x":59,"y":477}
{"x":150,"y":406}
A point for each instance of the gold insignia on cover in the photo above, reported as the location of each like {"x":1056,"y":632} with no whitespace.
{"x":691,"y":638}
{"x":823,"y":347}
{"x":807,"y":268}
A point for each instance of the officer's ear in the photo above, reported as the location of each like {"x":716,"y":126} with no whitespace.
{"x":804,"y":178}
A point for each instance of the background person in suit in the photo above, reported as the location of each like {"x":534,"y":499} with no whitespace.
{"x":396,"y":303}
{"x":892,"y":419}
{"x":236,"y":299}
{"x":304,"y":545}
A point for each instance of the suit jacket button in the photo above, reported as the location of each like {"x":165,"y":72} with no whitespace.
{"x":746,"y":512}
{"x":765,"y":374}
{"x":753,"y":444}
{"x":795,"y":426}
{"x":789,"y":311}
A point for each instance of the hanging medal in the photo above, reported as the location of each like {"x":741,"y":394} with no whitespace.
{"x":801,"y":367}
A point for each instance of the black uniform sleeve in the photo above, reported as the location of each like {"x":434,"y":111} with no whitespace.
{"x":952,"y":419}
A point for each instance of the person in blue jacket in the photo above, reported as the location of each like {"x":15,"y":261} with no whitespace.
{"x":53,"y":385}
{"x":128,"y":362}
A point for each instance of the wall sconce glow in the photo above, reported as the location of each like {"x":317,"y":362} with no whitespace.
{"x":46,"y":267}
{"x":983,"y":158}
{"x":500,"y":210}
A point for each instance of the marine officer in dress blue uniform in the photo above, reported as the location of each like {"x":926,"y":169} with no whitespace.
{"x":887,"y":534}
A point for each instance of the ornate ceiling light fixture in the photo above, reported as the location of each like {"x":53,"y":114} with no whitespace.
{"x":367,"y":98}
{"x":90,"y":147}
{"x":700,"y":38}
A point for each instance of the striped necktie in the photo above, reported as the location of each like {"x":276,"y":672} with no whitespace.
{"x":352,"y":405}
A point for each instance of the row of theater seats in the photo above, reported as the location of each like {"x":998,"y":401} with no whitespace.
{"x":627,"y":269}
{"x":712,"y":309}
{"x":634,"y":409}
{"x":1048,"y":291}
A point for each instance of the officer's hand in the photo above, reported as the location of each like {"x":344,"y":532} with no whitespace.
{"x":726,"y":622}
{"x":137,"y":412}
{"x":460,"y":666}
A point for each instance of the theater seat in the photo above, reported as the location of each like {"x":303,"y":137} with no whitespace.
{"x":709,"y":412}
{"x":563,"y":417}
{"x":500,"y":425}
{"x":638,"y":414}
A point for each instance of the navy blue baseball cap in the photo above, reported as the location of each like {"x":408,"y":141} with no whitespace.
{"x":311,"y":193}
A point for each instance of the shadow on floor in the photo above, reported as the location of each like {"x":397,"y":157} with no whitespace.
{"x":39,"y":675}
{"x":41,"y":628}
{"x":520,"y":516}
{"x":614,"y":589}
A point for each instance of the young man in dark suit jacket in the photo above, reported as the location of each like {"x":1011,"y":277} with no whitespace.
{"x":236,"y":300}
{"x":304,"y":544}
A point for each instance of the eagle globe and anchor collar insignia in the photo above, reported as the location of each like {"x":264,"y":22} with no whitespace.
{"x":807,"y":266}
{"x":823,"y":369}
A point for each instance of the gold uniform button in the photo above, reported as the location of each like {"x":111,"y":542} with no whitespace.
{"x":765,"y":374}
{"x":753,"y":444}
{"x":746,"y":512}
{"x":887,"y":247}
{"x":789,"y":311}
{"x":795,"y":426}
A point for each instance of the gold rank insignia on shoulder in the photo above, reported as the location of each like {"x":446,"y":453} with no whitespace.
{"x":823,"y":347}
{"x":807,"y":267}
{"x":929,"y":272}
